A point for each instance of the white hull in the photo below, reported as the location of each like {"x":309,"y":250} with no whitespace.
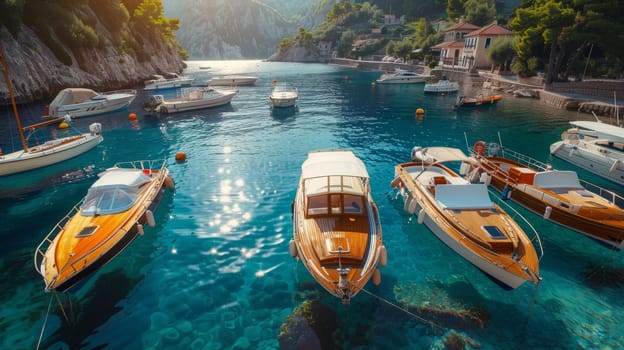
{"x":232,"y":81}
{"x":90,"y":108}
{"x":592,"y":158}
{"x":511,"y":280}
{"x":196,"y":100}
{"x":168,"y":84}
{"x":283,"y":100}
{"x":410,"y":80}
{"x":442,"y":86}
{"x":20,"y":161}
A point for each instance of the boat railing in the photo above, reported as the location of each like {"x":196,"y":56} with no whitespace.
{"x":49,"y":238}
{"x":152,"y":164}
{"x":532,"y":235}
{"x":494,"y":149}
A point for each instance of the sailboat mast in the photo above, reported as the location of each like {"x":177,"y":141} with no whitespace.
{"x":10,"y":88}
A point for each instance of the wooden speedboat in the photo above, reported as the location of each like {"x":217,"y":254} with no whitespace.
{"x":463,"y":216}
{"x":81,"y":102}
{"x":594,"y":146}
{"x":283,"y":96}
{"x":463,"y":101}
{"x":108,"y":218}
{"x":191,"y":100}
{"x":337,"y":233}
{"x":556,"y":195}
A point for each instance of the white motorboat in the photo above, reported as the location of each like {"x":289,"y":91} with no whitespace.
{"x":402,"y":76}
{"x":168,"y":81}
{"x":463,"y":216}
{"x":443,"y":85}
{"x":283,"y":96}
{"x":190,"y":100}
{"x":48,"y":153}
{"x":594,"y":146}
{"x":232,"y":80}
{"x":81,"y":102}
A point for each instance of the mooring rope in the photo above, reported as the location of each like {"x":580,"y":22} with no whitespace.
{"x":421,"y":319}
{"x":45,"y":321}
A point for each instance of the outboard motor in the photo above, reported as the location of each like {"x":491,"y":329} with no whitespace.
{"x":95,"y":128}
{"x":153,"y":102}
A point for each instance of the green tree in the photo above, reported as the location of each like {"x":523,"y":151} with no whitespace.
{"x":345,"y":44}
{"x":502,"y":52}
{"x":479,"y":12}
{"x":391,"y":48}
{"x":454,"y":9}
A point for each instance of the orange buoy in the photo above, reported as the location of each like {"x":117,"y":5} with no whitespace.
{"x":132,"y":116}
{"x":63,"y":125}
{"x":442,"y":94}
{"x":180,"y":156}
{"x":420,"y":111}
{"x":346,"y":77}
{"x":275,"y":82}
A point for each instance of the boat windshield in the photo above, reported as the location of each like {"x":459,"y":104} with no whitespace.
{"x":108,"y":200}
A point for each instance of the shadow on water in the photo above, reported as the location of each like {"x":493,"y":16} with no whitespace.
{"x":284,"y":115}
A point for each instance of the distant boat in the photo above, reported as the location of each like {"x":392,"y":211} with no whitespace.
{"x":402,"y":76}
{"x":48,"y":153}
{"x":81,"y":102}
{"x":168,"y":81}
{"x":194,"y":99}
{"x":105,"y":222}
{"x":443,"y":85}
{"x":594,"y":146}
{"x":337,"y":232}
{"x":232,"y":80}
{"x":463,"y":101}
{"x":283,"y":96}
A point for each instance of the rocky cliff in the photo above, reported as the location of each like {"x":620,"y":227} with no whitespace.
{"x":36,"y":73}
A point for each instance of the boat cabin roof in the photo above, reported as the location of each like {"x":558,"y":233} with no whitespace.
{"x":121,"y":177}
{"x":334,"y":184}
{"x":332,"y":163}
{"x":465,"y":196}
{"x":443,"y":154}
{"x":72,"y":96}
{"x":605,"y":131}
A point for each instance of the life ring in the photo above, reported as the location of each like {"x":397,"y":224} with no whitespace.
{"x":479,"y":147}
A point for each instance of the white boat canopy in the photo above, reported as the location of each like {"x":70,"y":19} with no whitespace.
{"x":72,"y":96}
{"x":333,"y":163}
{"x":443,"y":154}
{"x":121,"y":177}
{"x":465,"y":196}
{"x":604,"y":131}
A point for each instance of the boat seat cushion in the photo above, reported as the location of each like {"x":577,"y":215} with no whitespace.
{"x":557,"y":179}
{"x":466,"y":196}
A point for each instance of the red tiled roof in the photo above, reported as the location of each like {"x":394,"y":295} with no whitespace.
{"x":491,"y":30}
{"x":465,"y":27}
{"x":449,"y":44}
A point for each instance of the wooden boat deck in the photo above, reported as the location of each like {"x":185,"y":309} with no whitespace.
{"x":329,"y":235}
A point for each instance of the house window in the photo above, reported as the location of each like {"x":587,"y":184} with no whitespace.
{"x":488,"y":41}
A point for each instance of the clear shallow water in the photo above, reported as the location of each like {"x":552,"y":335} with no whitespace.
{"x":215,"y":272}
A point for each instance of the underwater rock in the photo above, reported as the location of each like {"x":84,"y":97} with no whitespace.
{"x":454,"y":341}
{"x":434,"y":303}
{"x":310,"y":326}
{"x":604,"y":276}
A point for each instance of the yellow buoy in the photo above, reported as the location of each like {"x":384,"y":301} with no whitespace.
{"x":420,"y":111}
{"x":180,"y":156}
{"x":373,"y":84}
{"x":132,"y":116}
{"x":63,"y":125}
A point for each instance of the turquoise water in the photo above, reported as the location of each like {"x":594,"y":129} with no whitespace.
{"x":215,"y":272}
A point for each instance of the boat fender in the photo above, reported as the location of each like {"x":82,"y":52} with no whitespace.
{"x":169,"y":182}
{"x":474,"y":177}
{"x":406,"y":205}
{"x":464,"y":168}
{"x":415,"y":150}
{"x":547,"y":212}
{"x":485,"y":178}
{"x":479,"y":147}
{"x":95,"y":128}
{"x":140,"y":229}
{"x":412,"y":206}
{"x":292,"y":249}
{"x":614,"y":166}
{"x":149,"y":217}
{"x":506,"y":193}
{"x":421,"y":216}
{"x":383,"y":256}
{"x":493,"y":149}
{"x":557,"y":148}
{"x":377,"y":277}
